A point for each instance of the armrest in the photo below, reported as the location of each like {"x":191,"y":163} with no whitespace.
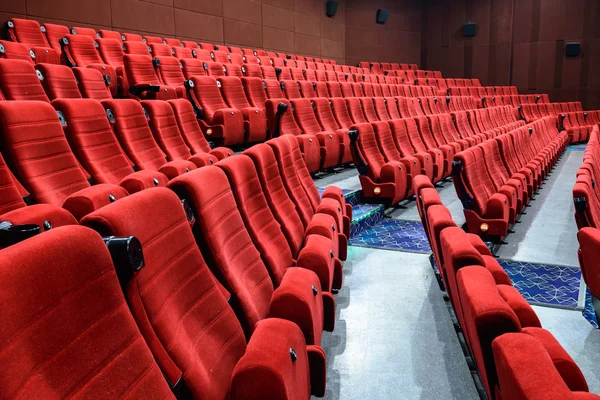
{"x":139,"y":89}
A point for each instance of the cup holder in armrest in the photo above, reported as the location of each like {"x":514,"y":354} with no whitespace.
{"x":13,"y":234}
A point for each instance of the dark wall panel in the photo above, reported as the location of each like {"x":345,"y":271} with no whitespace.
{"x":292,"y":26}
{"x":518,"y":42}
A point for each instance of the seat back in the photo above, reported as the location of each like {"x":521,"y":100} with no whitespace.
{"x":80,"y":50}
{"x":40,"y":158}
{"x":91,"y":83}
{"x":188,"y":126}
{"x":165,"y":129}
{"x":26,"y":31}
{"x":111,"y":51}
{"x":15,"y":51}
{"x":257,"y":215}
{"x":175,"y":284}
{"x":368,"y":150}
{"x":131,"y":127}
{"x":233,"y":92}
{"x":291,"y":180}
{"x":140,"y":70}
{"x":58,"y":81}
{"x":19,"y":81}
{"x":170,"y":71}
{"x":90,"y":136}
{"x":255,"y":91}
{"x":225,"y":242}
{"x":75,"y":304}
{"x":275,"y":192}
{"x":135,"y":47}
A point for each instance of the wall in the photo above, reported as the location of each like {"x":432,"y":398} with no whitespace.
{"x":518,"y":42}
{"x":289,"y":26}
{"x":399,"y":40}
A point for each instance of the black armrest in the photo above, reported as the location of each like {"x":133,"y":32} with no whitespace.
{"x":139,"y":89}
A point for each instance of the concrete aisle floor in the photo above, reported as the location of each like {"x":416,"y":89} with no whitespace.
{"x":393,"y":337}
{"x":548,"y":233}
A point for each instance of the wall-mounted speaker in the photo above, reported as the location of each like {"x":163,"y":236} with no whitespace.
{"x":572,"y":49}
{"x":470,"y":29}
{"x":382,"y":15}
{"x":331,"y":7}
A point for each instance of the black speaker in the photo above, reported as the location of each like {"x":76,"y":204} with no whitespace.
{"x":382,"y":15}
{"x":331,"y":8}
{"x":572,"y":49}
{"x":470,"y":29}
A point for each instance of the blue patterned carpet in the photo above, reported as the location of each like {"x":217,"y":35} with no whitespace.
{"x":394,"y":234}
{"x":588,"y":311}
{"x":541,"y":284}
{"x":576,"y":147}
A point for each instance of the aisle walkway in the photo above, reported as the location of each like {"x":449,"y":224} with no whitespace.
{"x":394,"y":337}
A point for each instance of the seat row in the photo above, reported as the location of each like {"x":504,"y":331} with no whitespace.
{"x":586,"y":197}
{"x":378,"y":68}
{"x":483,"y":91}
{"x":228,"y":276}
{"x":43,"y":41}
{"x":531,"y":112}
{"x":496,"y":179}
{"x":515,"y":357}
{"x":579,"y":124}
{"x":239,"y":114}
{"x":390,"y":153}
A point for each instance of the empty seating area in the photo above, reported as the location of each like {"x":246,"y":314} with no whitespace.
{"x":503,"y":335}
{"x":206,"y":219}
{"x":585,"y":199}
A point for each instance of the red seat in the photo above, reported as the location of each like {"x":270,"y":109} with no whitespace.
{"x":43,"y":162}
{"x":29,"y":33}
{"x":15,"y":51}
{"x":218,"y":120}
{"x":191,"y":132}
{"x":91,"y":84}
{"x":327,"y":120}
{"x":143,"y":81}
{"x":19,"y":81}
{"x":56,"y":365}
{"x":236,"y":261}
{"x":329,"y":142}
{"x":131,"y":127}
{"x":282,"y":122}
{"x":97,"y":149}
{"x":379,"y":180}
{"x":80,"y":51}
{"x":199,"y":307}
{"x":58,"y":81}
{"x":255,"y":121}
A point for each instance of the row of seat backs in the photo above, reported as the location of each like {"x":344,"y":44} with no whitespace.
{"x":30,"y":32}
{"x":157,"y":219}
{"x":100,"y":141}
{"x":586,"y":199}
{"x":477,"y":184}
{"x":482,"y":91}
{"x":531,"y":112}
{"x":493,"y":315}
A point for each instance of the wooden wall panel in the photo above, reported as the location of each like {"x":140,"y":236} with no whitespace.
{"x":518,"y":42}
{"x":293,"y":26}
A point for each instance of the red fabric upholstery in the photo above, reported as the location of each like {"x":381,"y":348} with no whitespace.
{"x":19,"y":81}
{"x":58,"y":81}
{"x":81,"y":337}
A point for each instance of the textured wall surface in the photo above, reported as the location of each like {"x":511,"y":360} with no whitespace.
{"x":289,"y":26}
{"x":399,"y":40}
{"x":518,"y":42}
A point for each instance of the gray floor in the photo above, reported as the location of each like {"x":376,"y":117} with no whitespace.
{"x":344,"y":179}
{"x":548,"y":233}
{"x":394,"y":337}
